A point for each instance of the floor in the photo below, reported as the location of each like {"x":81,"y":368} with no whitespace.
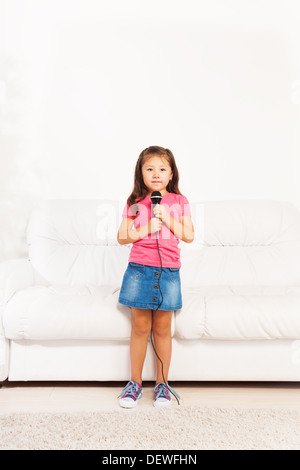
{"x":96,"y":396}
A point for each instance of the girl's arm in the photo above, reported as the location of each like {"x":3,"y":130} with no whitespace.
{"x":184,"y":230}
{"x":127,"y":235}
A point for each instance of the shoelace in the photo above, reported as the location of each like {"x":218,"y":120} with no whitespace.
{"x":161,"y":391}
{"x":131,"y":390}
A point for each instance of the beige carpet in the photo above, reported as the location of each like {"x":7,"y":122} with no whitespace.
{"x":180,"y":428}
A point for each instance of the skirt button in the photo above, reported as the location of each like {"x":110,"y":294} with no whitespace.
{"x":154,"y":299}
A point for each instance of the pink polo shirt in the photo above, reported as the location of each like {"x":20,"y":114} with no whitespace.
{"x":145,"y":251}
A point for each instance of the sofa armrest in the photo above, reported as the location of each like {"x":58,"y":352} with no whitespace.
{"x":15,"y":274}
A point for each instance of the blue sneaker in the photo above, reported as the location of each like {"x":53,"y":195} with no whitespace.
{"x":130,"y":394}
{"x":162,"y":395}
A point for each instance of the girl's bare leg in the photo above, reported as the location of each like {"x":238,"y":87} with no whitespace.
{"x":163,"y":342}
{"x":140,"y":329}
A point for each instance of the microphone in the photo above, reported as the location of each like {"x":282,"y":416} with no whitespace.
{"x":156,"y":197}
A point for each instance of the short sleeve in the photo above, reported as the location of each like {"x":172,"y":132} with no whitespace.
{"x":129,"y":212}
{"x":185,"y":206}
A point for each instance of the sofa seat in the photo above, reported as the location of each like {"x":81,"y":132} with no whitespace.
{"x":66,"y":312}
{"x":249,"y":313}
{"x":93,"y":312}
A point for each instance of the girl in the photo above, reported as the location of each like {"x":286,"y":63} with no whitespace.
{"x":145,"y":225}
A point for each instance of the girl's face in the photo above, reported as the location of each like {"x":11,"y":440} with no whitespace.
{"x":156,"y":173}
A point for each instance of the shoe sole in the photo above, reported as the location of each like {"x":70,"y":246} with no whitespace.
{"x":162,"y":404}
{"x":128,"y":403}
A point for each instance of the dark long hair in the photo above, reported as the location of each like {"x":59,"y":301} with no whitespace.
{"x":140,"y":190}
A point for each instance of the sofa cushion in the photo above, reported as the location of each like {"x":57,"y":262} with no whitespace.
{"x":243,"y":314}
{"x":67,"y":312}
{"x":74,"y":242}
{"x":239,"y":243}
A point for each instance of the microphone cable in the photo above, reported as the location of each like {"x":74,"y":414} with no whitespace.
{"x":153,"y":313}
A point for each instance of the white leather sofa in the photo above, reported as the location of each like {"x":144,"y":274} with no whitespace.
{"x":240,"y":321}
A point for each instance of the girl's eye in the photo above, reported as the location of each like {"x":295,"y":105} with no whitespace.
{"x":162,"y":169}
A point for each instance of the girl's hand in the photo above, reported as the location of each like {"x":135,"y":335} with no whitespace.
{"x":161,"y":213}
{"x":154,"y":225}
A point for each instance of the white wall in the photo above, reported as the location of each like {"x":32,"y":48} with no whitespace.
{"x":86,"y":85}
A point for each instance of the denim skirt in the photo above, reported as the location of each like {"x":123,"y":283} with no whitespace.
{"x":142,"y":284}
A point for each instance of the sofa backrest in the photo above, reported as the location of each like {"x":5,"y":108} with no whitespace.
{"x":243,"y":243}
{"x":237,"y":243}
{"x":74,"y":241}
